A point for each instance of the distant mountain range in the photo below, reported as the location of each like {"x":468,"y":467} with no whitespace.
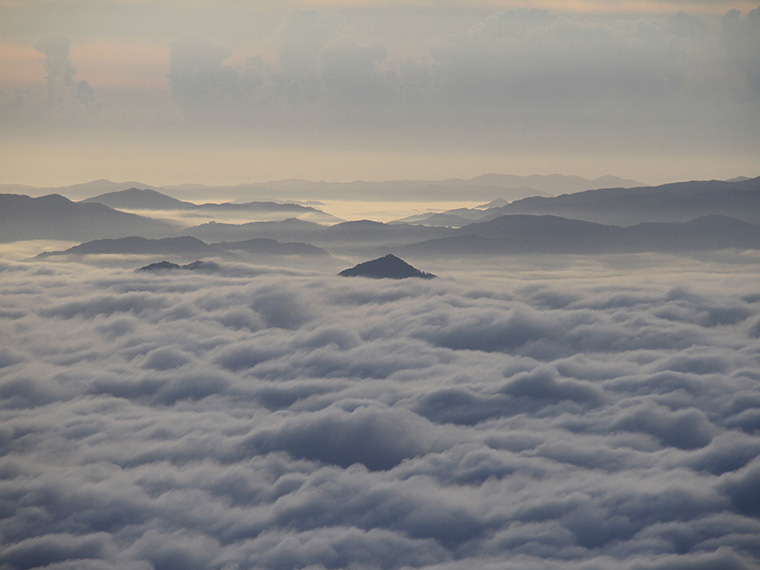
{"x":202,"y":266}
{"x":356,"y":233}
{"x":56,"y":217}
{"x":518,"y":234}
{"x":678,"y":202}
{"x":483,"y":187}
{"x":511,"y":234}
{"x":185,"y":245}
{"x":147,"y":199}
{"x":135,"y":245}
{"x":136,"y":199}
{"x":683,"y":217}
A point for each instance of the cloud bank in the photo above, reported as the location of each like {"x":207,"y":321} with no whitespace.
{"x":516,"y":83}
{"x":273,"y":420}
{"x":520,"y":68}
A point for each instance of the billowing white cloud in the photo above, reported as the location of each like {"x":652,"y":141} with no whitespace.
{"x":286,"y":420}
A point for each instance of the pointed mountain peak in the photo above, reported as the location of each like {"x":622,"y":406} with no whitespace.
{"x":388,"y":267}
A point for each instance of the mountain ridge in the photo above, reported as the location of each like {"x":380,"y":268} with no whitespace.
{"x":525,"y":233}
{"x":56,"y":217}
{"x":481,"y":188}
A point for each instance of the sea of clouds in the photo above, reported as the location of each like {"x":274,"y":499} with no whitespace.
{"x":528,"y":416}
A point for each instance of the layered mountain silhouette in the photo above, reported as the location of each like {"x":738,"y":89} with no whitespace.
{"x":136,"y":199}
{"x":682,"y":217}
{"x":266,"y":246}
{"x":291,"y":229}
{"x":517,"y":234}
{"x":185,"y":245}
{"x":483,"y":187}
{"x":679,"y":202}
{"x":56,"y":217}
{"x":361,"y":232}
{"x":202,"y":266}
{"x":147,"y":199}
{"x":387,"y":267}
{"x":508,"y":234}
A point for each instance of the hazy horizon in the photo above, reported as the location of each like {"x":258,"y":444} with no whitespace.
{"x":171,"y":93}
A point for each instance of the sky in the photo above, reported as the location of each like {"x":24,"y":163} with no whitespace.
{"x":229,"y":92}
{"x":559,"y":413}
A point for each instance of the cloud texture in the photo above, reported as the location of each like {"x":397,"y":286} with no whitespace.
{"x":521,"y":68}
{"x":273,"y":420}
{"x":512,"y":76}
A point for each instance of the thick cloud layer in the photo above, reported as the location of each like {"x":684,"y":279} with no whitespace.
{"x":536,"y":417}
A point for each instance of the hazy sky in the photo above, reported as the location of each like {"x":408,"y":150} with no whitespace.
{"x":227,"y":92}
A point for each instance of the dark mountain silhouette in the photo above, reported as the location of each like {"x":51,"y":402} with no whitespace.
{"x":450,"y":218}
{"x":147,"y":199}
{"x":160,"y":266}
{"x":497,"y":203}
{"x":347,"y":234}
{"x":517,"y":234}
{"x":56,"y":217}
{"x":203,"y":266}
{"x":387,"y":267}
{"x":291,"y":229}
{"x":184,"y":245}
{"x":266,"y":246}
{"x":701,"y":234}
{"x":534,"y":233}
{"x":136,"y":199}
{"x":73,"y":192}
{"x":679,"y":202}
{"x":259,"y":207}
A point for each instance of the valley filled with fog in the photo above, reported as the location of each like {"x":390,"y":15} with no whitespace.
{"x":553,"y":413}
{"x":543,"y":402}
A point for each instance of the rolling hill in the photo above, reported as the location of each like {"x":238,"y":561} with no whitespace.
{"x":57,"y":217}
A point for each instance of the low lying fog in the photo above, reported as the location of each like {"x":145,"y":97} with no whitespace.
{"x":530,"y":413}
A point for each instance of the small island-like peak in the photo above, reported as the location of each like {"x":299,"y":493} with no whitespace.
{"x":387,"y":267}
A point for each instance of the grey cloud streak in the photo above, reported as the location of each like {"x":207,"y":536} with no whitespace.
{"x":285,"y":420}
{"x":519,"y":75}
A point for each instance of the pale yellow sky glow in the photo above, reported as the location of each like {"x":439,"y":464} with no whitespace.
{"x":112,"y":63}
{"x":20,"y":66}
{"x":171,"y":162}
